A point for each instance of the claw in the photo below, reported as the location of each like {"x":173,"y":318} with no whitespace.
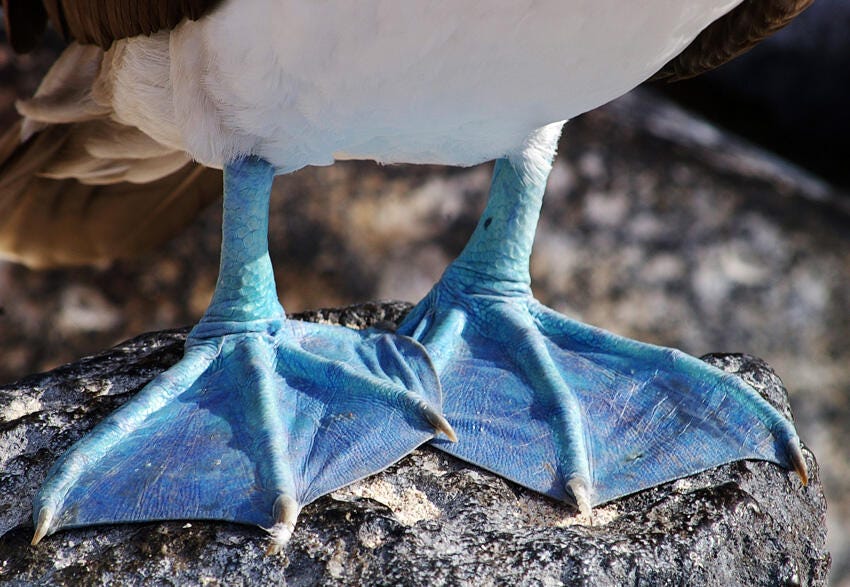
{"x":286,"y":512}
{"x":797,"y":460}
{"x":439,"y":423}
{"x":260,"y":406}
{"x":578,"y":487}
{"x":42,"y":528}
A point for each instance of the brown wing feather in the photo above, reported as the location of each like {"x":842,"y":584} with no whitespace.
{"x":52,"y":222}
{"x":78,"y":187}
{"x":727,"y":37}
{"x":97,"y":22}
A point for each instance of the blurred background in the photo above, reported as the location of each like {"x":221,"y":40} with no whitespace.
{"x":711,"y":215}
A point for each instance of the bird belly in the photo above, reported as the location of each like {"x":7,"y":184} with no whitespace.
{"x":306,"y":82}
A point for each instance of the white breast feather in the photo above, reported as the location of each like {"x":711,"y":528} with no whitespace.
{"x":305,"y":82}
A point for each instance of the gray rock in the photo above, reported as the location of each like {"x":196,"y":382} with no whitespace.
{"x":428,"y":520}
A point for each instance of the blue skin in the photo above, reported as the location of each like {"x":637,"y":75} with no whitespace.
{"x":264,"y":414}
{"x":261,"y":416}
{"x":567,"y":409}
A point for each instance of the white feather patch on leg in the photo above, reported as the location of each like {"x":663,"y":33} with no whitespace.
{"x":533,"y":159}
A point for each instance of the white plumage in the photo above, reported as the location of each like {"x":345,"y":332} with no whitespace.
{"x":305,"y":82}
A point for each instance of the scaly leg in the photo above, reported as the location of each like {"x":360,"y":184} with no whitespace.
{"x":261,"y":416}
{"x":563,"y":408}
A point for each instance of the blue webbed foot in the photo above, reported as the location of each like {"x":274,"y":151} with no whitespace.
{"x":581,"y":414}
{"x":261,"y":416}
{"x":249,"y":427}
{"x":563,"y":408}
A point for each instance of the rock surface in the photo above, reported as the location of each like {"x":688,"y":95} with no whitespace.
{"x":428,"y":520}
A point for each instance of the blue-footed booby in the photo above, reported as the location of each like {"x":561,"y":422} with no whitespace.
{"x":120,"y":147}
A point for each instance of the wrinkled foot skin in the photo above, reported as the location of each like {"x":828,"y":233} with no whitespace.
{"x":261,"y":416}
{"x":249,"y":427}
{"x":567,"y":409}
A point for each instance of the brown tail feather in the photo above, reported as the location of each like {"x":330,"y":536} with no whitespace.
{"x":52,"y":222}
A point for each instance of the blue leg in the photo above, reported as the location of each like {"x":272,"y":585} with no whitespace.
{"x":260,"y":417}
{"x":563,"y":408}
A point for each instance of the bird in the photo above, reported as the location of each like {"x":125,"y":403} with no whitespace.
{"x":155,"y":107}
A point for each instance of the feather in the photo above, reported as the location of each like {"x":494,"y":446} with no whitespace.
{"x":735,"y":33}
{"x":47,"y":222}
{"x":101,"y":124}
{"x":95,"y":22}
{"x":77,"y":187}
{"x":65,"y":93}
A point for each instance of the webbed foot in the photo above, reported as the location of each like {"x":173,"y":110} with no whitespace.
{"x":261,"y":416}
{"x":249,"y":427}
{"x":560,"y":407}
{"x":581,"y":414}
